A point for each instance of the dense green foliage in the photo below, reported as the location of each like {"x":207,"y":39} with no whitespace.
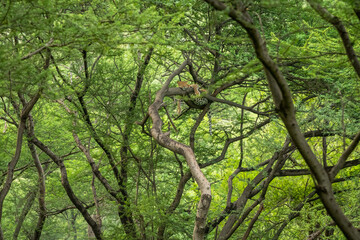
{"x":97,"y":66}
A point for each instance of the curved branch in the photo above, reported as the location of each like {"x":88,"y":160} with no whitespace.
{"x":344,"y":35}
{"x":164,"y":140}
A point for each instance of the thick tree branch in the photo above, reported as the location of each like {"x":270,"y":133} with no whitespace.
{"x":164,"y":140}
{"x":99,"y":141}
{"x":233,"y":222}
{"x":344,"y":35}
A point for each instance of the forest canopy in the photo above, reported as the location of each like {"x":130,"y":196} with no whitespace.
{"x":179,"y":119}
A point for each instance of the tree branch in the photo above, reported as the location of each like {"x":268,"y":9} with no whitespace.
{"x":344,"y":35}
{"x":164,"y":140}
